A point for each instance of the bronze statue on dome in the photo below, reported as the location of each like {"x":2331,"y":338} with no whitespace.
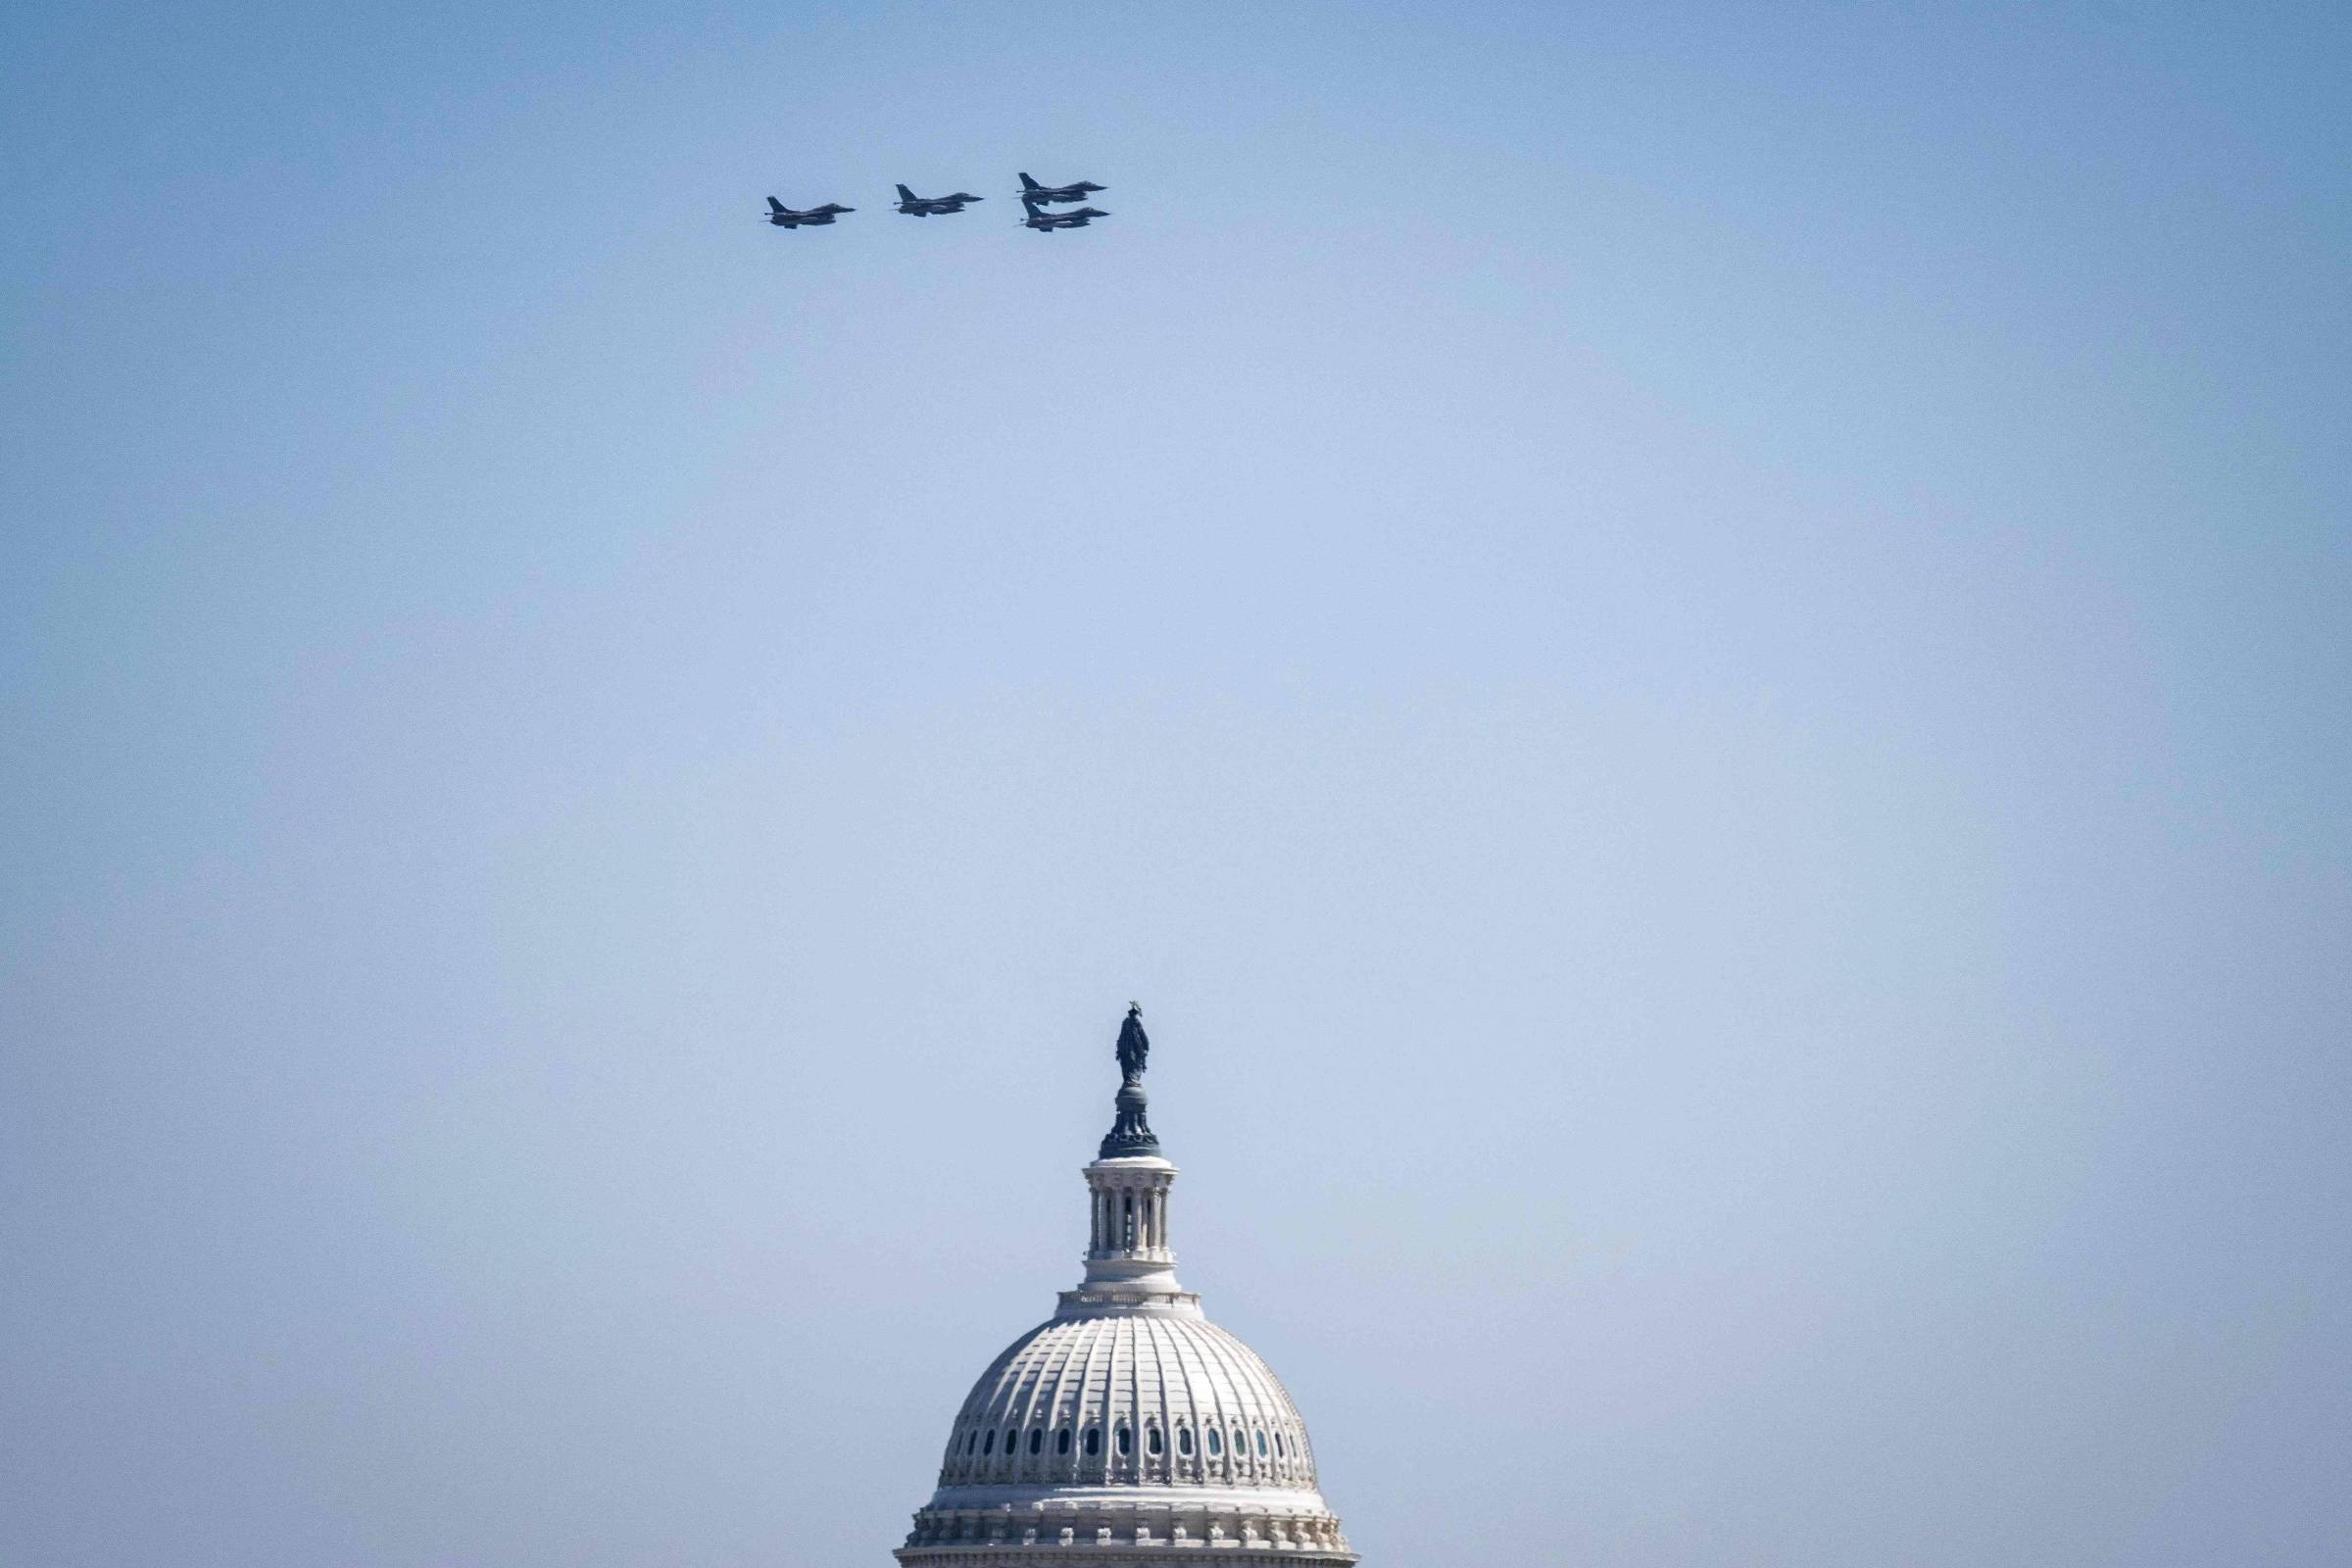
{"x":1135,"y":1046}
{"x":1130,"y":1133}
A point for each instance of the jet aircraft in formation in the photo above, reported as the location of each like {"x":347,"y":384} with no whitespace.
{"x":1034,"y":197}
{"x":1046,"y":223}
{"x":1032,"y":191}
{"x":784,"y":216}
{"x":925,"y":206}
{"x":1034,"y":200}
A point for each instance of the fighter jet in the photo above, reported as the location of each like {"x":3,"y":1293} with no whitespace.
{"x":1032,"y":191}
{"x":914,"y":206}
{"x":1046,"y":223}
{"x":784,"y":216}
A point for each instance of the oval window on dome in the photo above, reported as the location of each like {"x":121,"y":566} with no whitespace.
{"x":971,"y":1440}
{"x":1037,"y":1438}
{"x":1151,"y":1441}
{"x":1240,"y":1443}
{"x":1184,"y":1442}
{"x":1126,"y":1441}
{"x":1261,"y":1443}
{"x":1278,"y":1448}
{"x":1216,"y":1444}
{"x":1061,"y":1443}
{"x":990,"y":1446}
{"x":1094,"y":1442}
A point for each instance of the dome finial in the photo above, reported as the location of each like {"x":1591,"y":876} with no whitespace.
{"x":1130,"y":1133}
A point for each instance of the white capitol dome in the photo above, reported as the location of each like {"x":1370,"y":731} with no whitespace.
{"x":1126,"y":1427}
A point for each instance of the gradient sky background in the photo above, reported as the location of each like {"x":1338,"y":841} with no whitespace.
{"x":1696,"y":659}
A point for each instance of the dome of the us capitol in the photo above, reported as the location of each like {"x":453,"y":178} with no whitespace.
{"x":1126,"y":1427}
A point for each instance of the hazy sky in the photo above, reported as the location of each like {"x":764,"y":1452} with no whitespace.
{"x":1697,"y":658}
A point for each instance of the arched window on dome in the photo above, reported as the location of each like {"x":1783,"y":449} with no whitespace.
{"x":1061,"y":1440}
{"x":1037,"y":1438}
{"x":1126,"y":1443}
{"x":1216,"y":1444}
{"x":1261,"y":1443}
{"x":1184,"y":1442}
{"x":991,"y":1444}
{"x":971,"y":1440}
{"x":1150,"y":1440}
{"x":1279,"y":1451}
{"x":1240,"y":1443}
{"x":1094,"y":1442}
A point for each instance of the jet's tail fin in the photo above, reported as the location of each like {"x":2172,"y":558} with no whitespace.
{"x":775,"y":205}
{"x":1030,"y":184}
{"x":904,"y":194}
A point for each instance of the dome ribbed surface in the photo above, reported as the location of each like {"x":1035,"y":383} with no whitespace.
{"x":1143,"y":1396}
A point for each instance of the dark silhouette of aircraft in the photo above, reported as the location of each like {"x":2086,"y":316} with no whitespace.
{"x":1046,"y":223}
{"x":925,"y":206}
{"x":784,"y":216}
{"x":1032,"y":191}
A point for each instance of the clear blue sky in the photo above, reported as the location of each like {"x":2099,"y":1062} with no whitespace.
{"x":1695,"y":657}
